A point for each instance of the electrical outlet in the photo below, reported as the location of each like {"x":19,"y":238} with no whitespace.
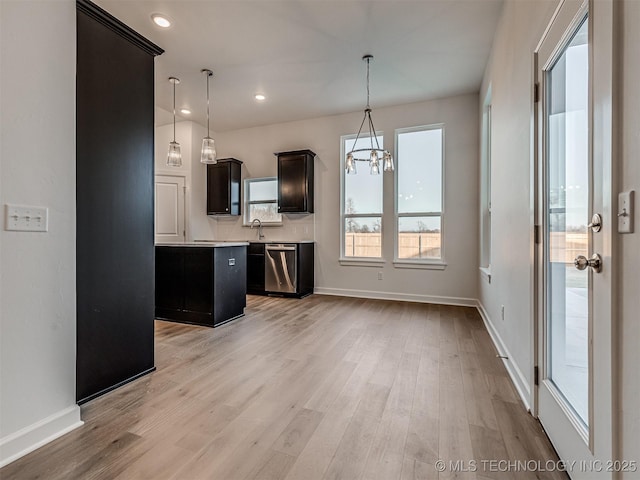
{"x":379,"y":275}
{"x":502,"y":312}
{"x":26,"y":219}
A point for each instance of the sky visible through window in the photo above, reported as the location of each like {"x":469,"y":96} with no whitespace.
{"x":363,"y":191}
{"x":419,"y":166}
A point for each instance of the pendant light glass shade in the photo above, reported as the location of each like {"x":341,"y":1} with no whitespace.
{"x":174,"y":157}
{"x":208,"y":152}
{"x":374,"y":154}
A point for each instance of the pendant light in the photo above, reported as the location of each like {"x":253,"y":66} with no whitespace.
{"x":174,"y":159}
{"x":208,"y":153}
{"x":374,"y":154}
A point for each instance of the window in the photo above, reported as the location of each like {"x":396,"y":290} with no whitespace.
{"x":361,"y":206}
{"x":261,"y":200}
{"x":485,"y":189}
{"x":419,"y":189}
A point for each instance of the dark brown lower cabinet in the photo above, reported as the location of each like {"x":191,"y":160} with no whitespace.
{"x":201,"y":285}
{"x":255,"y":268}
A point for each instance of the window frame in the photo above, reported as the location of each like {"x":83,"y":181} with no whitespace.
{"x":248,"y":202}
{"x":359,"y":261}
{"x":425,"y":263}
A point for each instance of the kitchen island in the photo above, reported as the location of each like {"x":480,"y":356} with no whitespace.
{"x":201,"y":283}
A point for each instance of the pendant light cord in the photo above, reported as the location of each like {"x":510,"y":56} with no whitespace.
{"x":368,"y":60}
{"x":174,"y":112}
{"x":208,"y":129}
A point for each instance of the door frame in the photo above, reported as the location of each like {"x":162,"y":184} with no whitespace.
{"x":603,"y":51}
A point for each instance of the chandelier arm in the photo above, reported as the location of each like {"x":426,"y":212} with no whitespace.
{"x":359,"y":130}
{"x":372,"y":129}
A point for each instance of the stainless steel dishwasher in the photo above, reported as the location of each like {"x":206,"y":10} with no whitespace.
{"x":280,"y":269}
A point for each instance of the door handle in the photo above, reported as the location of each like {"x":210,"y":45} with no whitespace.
{"x":596,"y":223}
{"x":595,"y":262}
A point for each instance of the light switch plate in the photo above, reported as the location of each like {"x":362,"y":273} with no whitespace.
{"x":625,"y":212}
{"x":26,"y":219}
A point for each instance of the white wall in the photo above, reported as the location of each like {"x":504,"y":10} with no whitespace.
{"x":37,"y":270}
{"x":510,"y":75}
{"x":456,"y":284}
{"x":629,"y":258}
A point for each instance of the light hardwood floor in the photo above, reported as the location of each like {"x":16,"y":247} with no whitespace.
{"x":319,"y":388}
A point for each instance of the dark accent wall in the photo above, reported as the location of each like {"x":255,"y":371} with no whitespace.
{"x":114,"y":178}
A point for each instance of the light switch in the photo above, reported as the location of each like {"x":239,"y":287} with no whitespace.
{"x":625,"y":212}
{"x":26,"y":219}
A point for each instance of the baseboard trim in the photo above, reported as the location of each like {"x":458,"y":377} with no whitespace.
{"x":34,"y":436}
{"x":404,"y":297}
{"x":93,"y":396}
{"x":518,"y":379}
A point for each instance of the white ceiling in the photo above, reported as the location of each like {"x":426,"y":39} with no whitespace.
{"x":305,"y":55}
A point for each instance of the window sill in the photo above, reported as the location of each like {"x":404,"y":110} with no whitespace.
{"x":362,"y":262}
{"x":485,"y":272}
{"x":436,"y":265}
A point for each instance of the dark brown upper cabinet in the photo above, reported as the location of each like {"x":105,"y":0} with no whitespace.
{"x":295,"y":181}
{"x":223,"y":187}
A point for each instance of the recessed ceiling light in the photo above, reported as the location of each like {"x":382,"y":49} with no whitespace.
{"x":185,"y":111}
{"x":161,"y":20}
{"x":260,"y":97}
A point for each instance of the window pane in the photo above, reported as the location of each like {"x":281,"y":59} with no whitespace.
{"x":362,"y":191}
{"x":362,"y":237}
{"x":419,"y":238}
{"x":265,"y":212}
{"x":263,"y":190}
{"x":420,"y":171}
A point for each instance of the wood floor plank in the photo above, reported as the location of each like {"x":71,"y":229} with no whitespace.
{"x":413,"y":469}
{"x":353,"y":450}
{"x":295,"y":437}
{"x":319,"y":388}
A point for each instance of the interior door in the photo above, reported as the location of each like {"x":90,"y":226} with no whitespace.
{"x":169,"y":209}
{"x":574,"y":262}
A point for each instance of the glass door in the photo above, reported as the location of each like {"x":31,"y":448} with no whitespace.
{"x":573,"y":397}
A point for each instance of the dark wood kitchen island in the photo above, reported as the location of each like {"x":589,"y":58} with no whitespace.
{"x":201,"y":283}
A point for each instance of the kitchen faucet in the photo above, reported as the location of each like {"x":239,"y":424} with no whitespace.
{"x":260,"y":234}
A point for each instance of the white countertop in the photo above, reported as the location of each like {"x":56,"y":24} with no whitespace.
{"x":281,"y":241}
{"x":206,"y":244}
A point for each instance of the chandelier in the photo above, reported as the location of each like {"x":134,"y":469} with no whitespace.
{"x":374,"y":154}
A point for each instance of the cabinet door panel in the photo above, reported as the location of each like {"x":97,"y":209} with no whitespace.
{"x":218,"y":177}
{"x":292,"y":183}
{"x":169,"y":278}
{"x":230,"y":283}
{"x":198,"y":281}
